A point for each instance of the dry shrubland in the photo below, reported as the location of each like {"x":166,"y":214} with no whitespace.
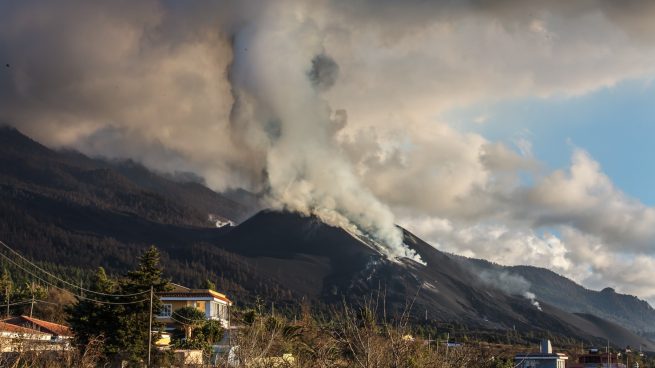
{"x":349,"y":337}
{"x":25,"y":353}
{"x":358,"y":337}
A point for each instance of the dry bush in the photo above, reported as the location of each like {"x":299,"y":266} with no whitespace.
{"x":359,"y":337}
{"x":314,"y":342}
{"x":258,"y":339}
{"x":25,"y":353}
{"x":369,"y":341}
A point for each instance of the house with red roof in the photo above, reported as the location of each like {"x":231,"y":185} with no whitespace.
{"x":17,"y":338}
{"x":55,"y":330}
{"x":11,"y":331}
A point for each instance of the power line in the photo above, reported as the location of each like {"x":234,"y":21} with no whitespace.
{"x":28,"y":301}
{"x":66,"y":282}
{"x":18,"y":303}
{"x":80,"y":288}
{"x":186,"y":323}
{"x":46,"y":302}
{"x":187,"y":318}
{"x":63,"y":289}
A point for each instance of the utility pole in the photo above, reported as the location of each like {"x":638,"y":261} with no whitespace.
{"x":447,"y":342}
{"x":32,"y":304}
{"x":229,"y":325}
{"x":150,"y":325}
{"x":7,"y":294}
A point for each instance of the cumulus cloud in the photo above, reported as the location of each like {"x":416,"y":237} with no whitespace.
{"x":496,"y":242}
{"x":591,"y":231}
{"x":585,"y":198}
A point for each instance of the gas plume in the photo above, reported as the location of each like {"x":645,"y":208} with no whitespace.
{"x":510,"y":284}
{"x":279,"y":71}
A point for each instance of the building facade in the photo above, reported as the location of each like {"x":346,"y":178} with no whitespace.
{"x":595,"y":359}
{"x":214,"y":305}
{"x":545,"y":358}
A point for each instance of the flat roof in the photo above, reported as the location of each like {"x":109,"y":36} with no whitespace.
{"x":540,"y":356}
{"x":195,"y":293}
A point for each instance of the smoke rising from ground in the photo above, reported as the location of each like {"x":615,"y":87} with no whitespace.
{"x":279,"y":111}
{"x":510,"y":284}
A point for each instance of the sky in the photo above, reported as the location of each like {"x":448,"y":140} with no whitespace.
{"x":614,"y":124}
{"x":514,"y":131}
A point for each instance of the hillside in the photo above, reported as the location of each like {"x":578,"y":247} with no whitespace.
{"x":326,"y":263}
{"x":64,"y":209}
{"x":548,"y":286}
{"x":67,"y":209}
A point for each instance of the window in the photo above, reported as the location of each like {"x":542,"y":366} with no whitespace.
{"x":213,"y":310}
{"x":218,"y":310}
{"x":166,"y":310}
{"x":223,"y":311}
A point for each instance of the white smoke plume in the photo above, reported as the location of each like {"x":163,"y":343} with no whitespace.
{"x":278,"y":74}
{"x":511,"y":284}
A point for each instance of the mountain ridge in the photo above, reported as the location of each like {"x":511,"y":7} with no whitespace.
{"x":71,"y":210}
{"x":627,"y":310}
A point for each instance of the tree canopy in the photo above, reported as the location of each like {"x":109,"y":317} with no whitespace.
{"x":123,"y":322}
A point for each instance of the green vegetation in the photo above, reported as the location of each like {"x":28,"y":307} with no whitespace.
{"x":198,"y":333}
{"x":123,"y":328}
{"x":16,"y":296}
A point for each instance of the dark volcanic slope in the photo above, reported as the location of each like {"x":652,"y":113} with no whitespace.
{"x":66,"y":210}
{"x":625,"y":310}
{"x":334,"y":264}
{"x":326,"y":263}
{"x":30,"y":168}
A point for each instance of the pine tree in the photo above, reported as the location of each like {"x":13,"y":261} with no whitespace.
{"x":6,"y":290}
{"x":123,"y":326}
{"x":133,"y":331}
{"x":90,"y":319}
{"x":208,"y":284}
{"x":148,"y":273}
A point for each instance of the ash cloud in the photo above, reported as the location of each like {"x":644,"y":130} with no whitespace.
{"x":324,"y":72}
{"x":230,"y":90}
{"x":304,"y":169}
{"x":254,"y":95}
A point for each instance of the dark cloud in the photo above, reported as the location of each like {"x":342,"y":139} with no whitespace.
{"x":324,"y":72}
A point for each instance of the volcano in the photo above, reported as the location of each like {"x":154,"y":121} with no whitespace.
{"x":70,"y":212}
